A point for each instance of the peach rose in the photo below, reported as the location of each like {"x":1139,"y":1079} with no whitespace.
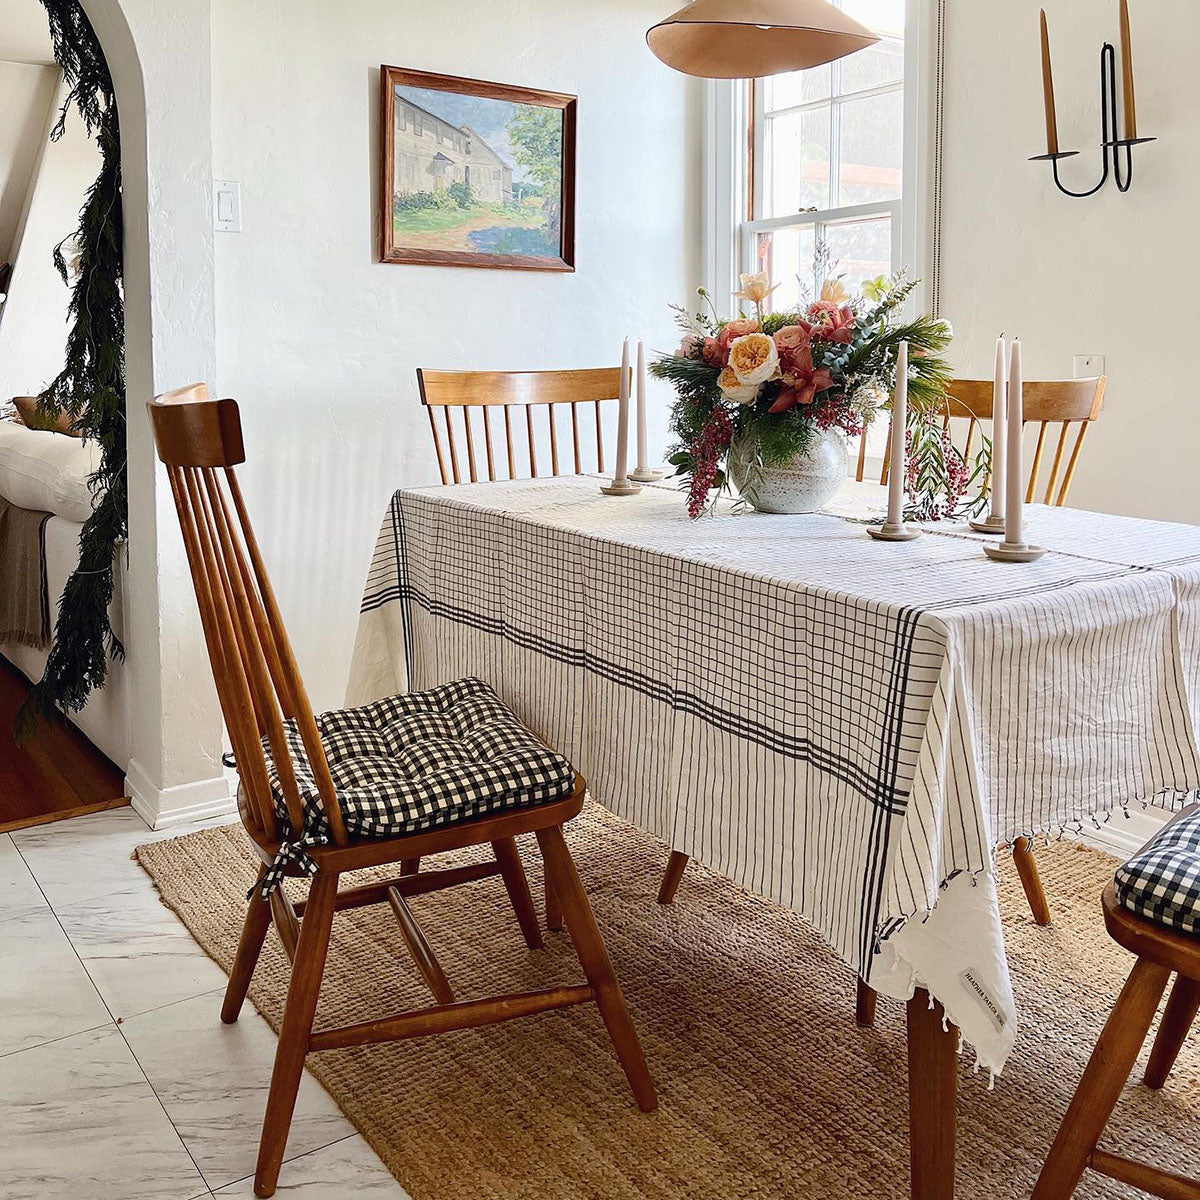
{"x":754,"y":359}
{"x":735,"y":390}
{"x":733,"y":330}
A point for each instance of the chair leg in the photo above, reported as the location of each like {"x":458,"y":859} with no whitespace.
{"x":254,"y":932}
{"x":301,"y":1007}
{"x":676,"y":865}
{"x":597,"y":966}
{"x":554,"y":916}
{"x":287,"y":924}
{"x":513,"y":874}
{"x":1031,"y":881}
{"x":410,"y":866}
{"x":864,"y":1005}
{"x":1177,"y":1021}
{"x":1107,"y":1070}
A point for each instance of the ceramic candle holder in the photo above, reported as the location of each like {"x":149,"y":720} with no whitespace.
{"x":893,"y":533}
{"x":1020,"y":552}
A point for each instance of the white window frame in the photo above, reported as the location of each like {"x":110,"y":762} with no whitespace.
{"x":730,"y":241}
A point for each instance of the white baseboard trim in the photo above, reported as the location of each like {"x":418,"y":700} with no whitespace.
{"x":1125,"y":836}
{"x":162,"y":808}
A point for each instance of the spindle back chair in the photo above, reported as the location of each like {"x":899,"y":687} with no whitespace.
{"x":260,"y":688}
{"x":506,"y":390}
{"x":1061,"y":402}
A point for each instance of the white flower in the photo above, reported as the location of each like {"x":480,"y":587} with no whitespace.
{"x":738,"y":392}
{"x":870,"y":396}
{"x":755,"y":288}
{"x":754,"y":358}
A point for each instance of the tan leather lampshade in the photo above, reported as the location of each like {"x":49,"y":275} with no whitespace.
{"x":746,"y":39}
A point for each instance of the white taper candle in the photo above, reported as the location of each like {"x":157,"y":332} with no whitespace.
{"x":622,"y":472}
{"x":999,"y":432}
{"x":1014,"y":533}
{"x":642,"y":452}
{"x":899,"y":467}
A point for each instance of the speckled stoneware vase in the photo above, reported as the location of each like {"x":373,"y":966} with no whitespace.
{"x":804,"y":485}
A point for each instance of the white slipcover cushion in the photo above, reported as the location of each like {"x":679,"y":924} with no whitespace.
{"x":47,"y":471}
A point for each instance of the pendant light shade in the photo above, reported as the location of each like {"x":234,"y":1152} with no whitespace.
{"x":747,"y":39}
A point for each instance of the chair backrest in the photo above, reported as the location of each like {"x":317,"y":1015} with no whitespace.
{"x":258,"y":681}
{"x":506,"y":390}
{"x":1061,"y":402}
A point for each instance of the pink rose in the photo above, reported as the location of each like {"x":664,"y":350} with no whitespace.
{"x":714,"y":352}
{"x":803,"y":391}
{"x":734,"y":330}
{"x":828,"y":321}
{"x":795,"y":349}
{"x":692,"y":346}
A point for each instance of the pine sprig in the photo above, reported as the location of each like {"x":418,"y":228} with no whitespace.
{"x":91,"y":385}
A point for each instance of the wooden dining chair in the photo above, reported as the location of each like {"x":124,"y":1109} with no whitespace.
{"x":506,"y":391}
{"x":1068,"y":405}
{"x":389,"y":783}
{"x":1071,"y":405}
{"x":1155,"y":890}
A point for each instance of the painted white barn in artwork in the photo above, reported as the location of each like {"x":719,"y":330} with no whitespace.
{"x":432,"y":153}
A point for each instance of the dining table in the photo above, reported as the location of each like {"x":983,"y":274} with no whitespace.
{"x":848,"y":727}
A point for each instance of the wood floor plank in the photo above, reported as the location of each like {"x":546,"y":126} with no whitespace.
{"x":57,"y":775}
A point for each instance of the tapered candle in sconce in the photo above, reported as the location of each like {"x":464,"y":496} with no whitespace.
{"x":1048,"y":91}
{"x":621,"y":485}
{"x":1127,"y":74}
{"x":894,"y":529}
{"x":994,"y":521}
{"x":1014,"y":548}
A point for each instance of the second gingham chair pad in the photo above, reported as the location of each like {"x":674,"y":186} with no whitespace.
{"x":1162,"y":882}
{"x":422,"y":760}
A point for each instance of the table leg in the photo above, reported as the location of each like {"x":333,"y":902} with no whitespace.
{"x":932,"y":1099}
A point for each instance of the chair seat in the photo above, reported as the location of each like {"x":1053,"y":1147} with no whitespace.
{"x":1161,"y":883}
{"x":424,"y":760}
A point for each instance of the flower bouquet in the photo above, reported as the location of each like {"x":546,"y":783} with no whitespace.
{"x":760,"y":392}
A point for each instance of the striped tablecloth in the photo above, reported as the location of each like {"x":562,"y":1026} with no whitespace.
{"x":845,"y":726}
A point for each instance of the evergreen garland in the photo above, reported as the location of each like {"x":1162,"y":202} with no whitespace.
{"x":91,"y":386}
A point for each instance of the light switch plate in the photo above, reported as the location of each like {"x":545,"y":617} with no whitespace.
{"x":1088,"y":366}
{"x":227,"y":206}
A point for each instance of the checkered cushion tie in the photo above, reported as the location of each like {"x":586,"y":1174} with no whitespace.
{"x":420,"y":761}
{"x":1162,"y":883}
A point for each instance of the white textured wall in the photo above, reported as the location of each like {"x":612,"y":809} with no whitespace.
{"x":319,"y":342}
{"x":1113,"y":274}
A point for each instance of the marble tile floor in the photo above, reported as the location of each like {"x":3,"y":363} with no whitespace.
{"x":117,"y":1079}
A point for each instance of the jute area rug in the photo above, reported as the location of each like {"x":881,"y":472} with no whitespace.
{"x":768,"y":1090}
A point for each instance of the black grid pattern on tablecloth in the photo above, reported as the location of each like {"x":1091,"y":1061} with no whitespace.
{"x":813,"y":736}
{"x":424,"y":760}
{"x":1162,"y":883}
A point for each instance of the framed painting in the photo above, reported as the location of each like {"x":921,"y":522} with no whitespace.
{"x":476,"y":174}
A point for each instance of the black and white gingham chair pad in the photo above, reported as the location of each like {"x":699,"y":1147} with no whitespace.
{"x":424,"y":760}
{"x":1162,"y":882}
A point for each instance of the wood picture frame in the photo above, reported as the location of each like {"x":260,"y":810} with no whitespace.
{"x":475,"y":174}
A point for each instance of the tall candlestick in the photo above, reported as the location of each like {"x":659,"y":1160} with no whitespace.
{"x":894,"y":529}
{"x":1014,"y":508}
{"x":1014,"y":547}
{"x":1127,"y":74}
{"x":1048,"y":91}
{"x":899,"y":468}
{"x":999,"y":432}
{"x":643,"y":472}
{"x":620,"y":485}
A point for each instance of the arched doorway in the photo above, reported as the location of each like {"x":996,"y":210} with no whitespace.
{"x":162,"y":77}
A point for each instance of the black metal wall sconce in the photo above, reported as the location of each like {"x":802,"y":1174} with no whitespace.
{"x":1116,"y":151}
